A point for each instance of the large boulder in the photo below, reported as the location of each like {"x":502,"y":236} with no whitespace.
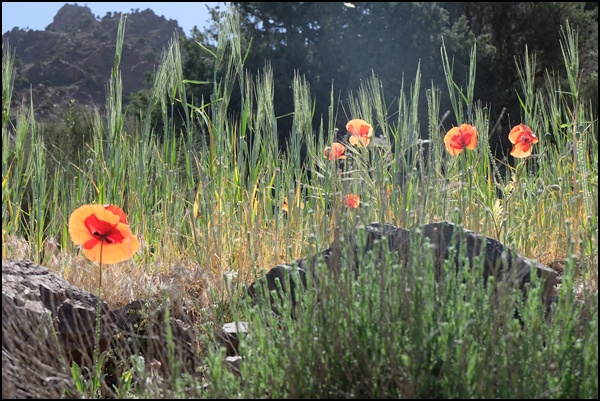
{"x":443,"y":239}
{"x":47,"y":324}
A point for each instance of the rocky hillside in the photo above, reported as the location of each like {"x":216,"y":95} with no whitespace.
{"x":73,"y":57}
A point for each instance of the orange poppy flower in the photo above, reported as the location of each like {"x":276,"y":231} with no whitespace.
{"x":104,"y":233}
{"x":335,"y":152}
{"x":360,"y":132}
{"x":352,"y":201}
{"x":522,"y":138}
{"x":459,"y":138}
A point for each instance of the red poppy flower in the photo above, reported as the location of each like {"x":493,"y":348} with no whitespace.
{"x":522,"y":138}
{"x":352,"y":201}
{"x":104,"y":233}
{"x":360,"y":132}
{"x":459,"y":138}
{"x":335,"y":152}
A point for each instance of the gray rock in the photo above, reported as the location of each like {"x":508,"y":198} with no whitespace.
{"x":46,"y":325}
{"x":229,"y":336}
{"x":442,"y":239}
{"x":234,"y":364}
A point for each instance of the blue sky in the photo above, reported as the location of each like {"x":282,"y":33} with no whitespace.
{"x":39,"y":15}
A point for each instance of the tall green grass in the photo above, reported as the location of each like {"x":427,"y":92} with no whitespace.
{"x":207,"y":198}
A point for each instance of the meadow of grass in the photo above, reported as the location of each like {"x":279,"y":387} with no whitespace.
{"x":206,"y":201}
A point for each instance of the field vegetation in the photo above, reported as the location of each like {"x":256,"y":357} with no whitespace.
{"x":215,"y":202}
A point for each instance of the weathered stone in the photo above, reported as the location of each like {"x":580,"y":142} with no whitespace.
{"x":46,"y":325}
{"x":279,"y":277}
{"x":73,"y":57}
{"x":447,"y":239}
{"x":234,"y":364}
{"x":443,"y":239}
{"x":229,"y":336}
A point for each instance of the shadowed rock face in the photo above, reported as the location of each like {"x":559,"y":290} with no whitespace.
{"x":32,"y":290}
{"x":46,"y":325}
{"x":443,"y":239}
{"x":143,"y":323}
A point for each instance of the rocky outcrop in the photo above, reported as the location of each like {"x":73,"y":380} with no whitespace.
{"x":143,"y":331}
{"x":443,"y":240}
{"x":46,"y":325}
{"x":72,"y":16}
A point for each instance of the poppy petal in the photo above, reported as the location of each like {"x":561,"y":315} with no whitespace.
{"x":519,"y":151}
{"x":352,"y":201}
{"x":472,"y":135}
{"x":335,"y":151}
{"x":515,"y":133}
{"x":360,"y":128}
{"x":359,"y":140}
{"x":113,"y":253}
{"x":118,"y":211}
{"x":78,"y":230}
{"x":522,"y":137}
{"x":449,"y":141}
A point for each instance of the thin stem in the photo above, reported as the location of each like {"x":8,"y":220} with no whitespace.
{"x":97,"y":338}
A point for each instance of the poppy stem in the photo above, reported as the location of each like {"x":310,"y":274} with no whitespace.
{"x":97,"y":368}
